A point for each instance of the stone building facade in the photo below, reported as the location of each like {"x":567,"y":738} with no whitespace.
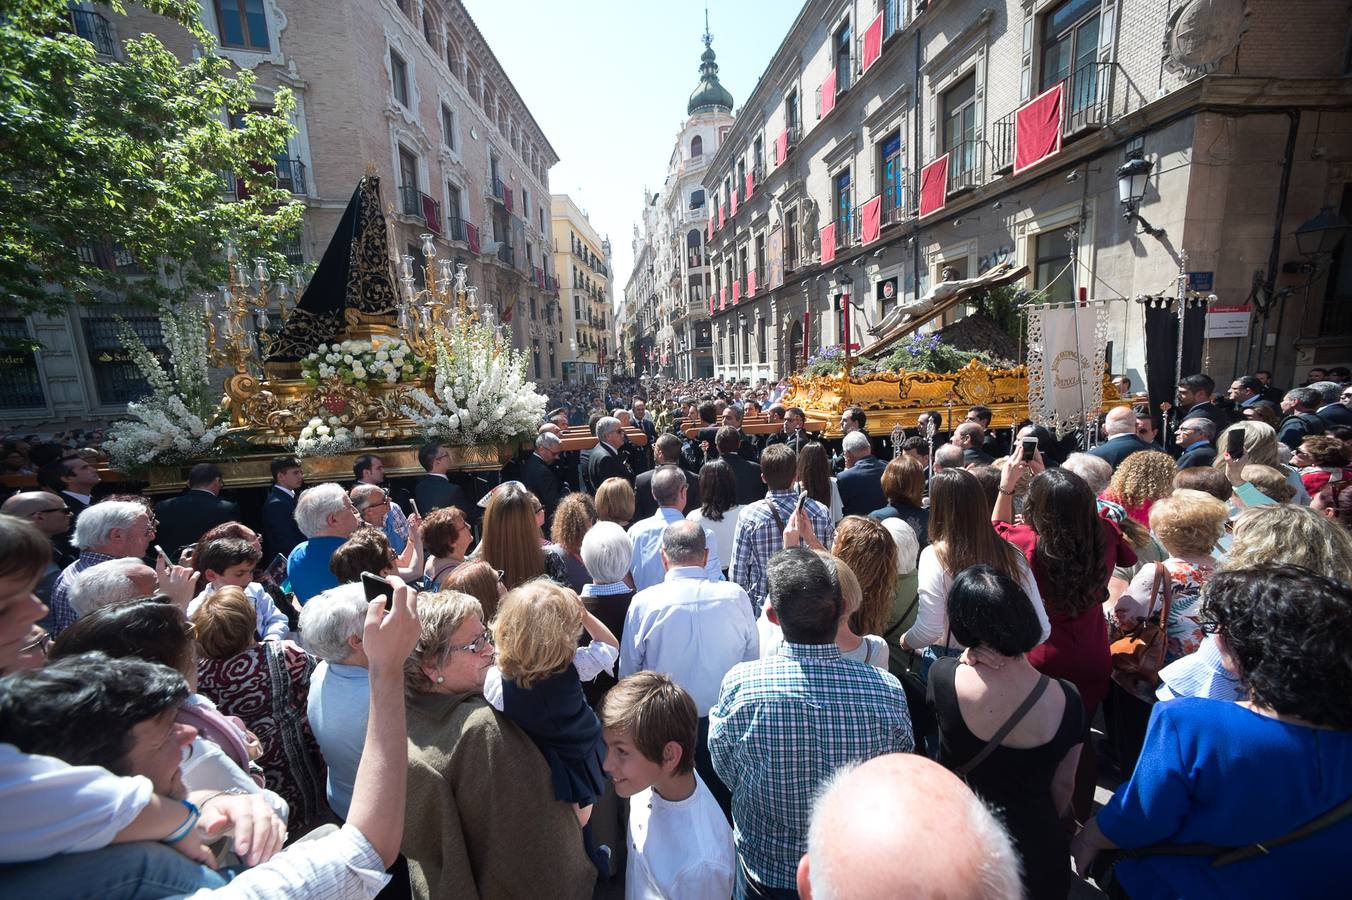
{"x":817,"y":186}
{"x":668,"y":294}
{"x":407,"y":86}
{"x":582,"y":259}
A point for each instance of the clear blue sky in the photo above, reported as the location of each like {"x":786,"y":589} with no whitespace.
{"x":608,"y":81}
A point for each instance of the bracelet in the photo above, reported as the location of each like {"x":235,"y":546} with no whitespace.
{"x":1006,"y":493}
{"x":186,"y":828}
{"x":228,"y":792}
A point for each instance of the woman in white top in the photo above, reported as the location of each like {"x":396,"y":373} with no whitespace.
{"x":961,"y":536}
{"x":814,"y":476}
{"x":719,"y":509}
{"x":868,"y":648}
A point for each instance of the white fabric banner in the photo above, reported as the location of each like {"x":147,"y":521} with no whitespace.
{"x":1066,"y":364}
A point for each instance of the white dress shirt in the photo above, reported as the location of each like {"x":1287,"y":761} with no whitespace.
{"x":678,"y":850}
{"x":692,"y":629}
{"x":646,"y":535}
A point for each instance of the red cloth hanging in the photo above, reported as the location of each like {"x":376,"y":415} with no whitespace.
{"x":934,"y":186}
{"x":873,"y":42}
{"x":734,"y":201}
{"x":722,"y":216}
{"x":871,"y":220}
{"x":1037,"y":128}
{"x":507,"y":198}
{"x":750,"y":183}
{"x":429,"y":207}
{"x":711,"y":227}
{"x":828,"y":237}
{"x":828,"y":94}
{"x":472,"y":233}
{"x":736,"y":292}
{"x":722,"y":298}
{"x":782,"y":147}
{"x":751,"y":283}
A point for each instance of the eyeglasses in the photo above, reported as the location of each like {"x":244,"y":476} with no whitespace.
{"x":502,"y":576}
{"x":41,"y":643}
{"x":63,"y":510}
{"x":476,"y":646}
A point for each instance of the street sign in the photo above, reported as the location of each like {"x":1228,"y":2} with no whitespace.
{"x":1201,"y":281}
{"x":1228,"y":321}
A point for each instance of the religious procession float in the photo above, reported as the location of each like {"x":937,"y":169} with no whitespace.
{"x":359,"y":364}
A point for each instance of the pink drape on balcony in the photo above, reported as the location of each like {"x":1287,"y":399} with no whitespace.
{"x":751,"y":284}
{"x":429,"y":207}
{"x":507,"y":198}
{"x":829,"y":93}
{"x":736,"y":292}
{"x":828,"y":238}
{"x":711,"y":227}
{"x":782,"y":147}
{"x":1037,"y":128}
{"x":722,"y":216}
{"x":472,"y":234}
{"x":873,"y":42}
{"x":871,"y":220}
{"x":934,"y":186}
{"x":750,"y":183}
{"x":722,"y":298}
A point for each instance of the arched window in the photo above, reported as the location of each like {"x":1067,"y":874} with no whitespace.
{"x":795,"y":345}
{"x":697,"y":146}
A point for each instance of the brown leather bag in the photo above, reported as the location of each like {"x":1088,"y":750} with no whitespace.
{"x":1139,"y":655}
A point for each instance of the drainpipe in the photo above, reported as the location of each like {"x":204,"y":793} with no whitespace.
{"x":919,"y":115}
{"x":1274,"y":255}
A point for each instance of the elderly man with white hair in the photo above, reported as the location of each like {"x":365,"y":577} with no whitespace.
{"x":1120,"y":427}
{"x":607,"y":553}
{"x":605,"y":460}
{"x":861,"y":484}
{"x":537,"y":473}
{"x":327,"y":518}
{"x":115,"y":581}
{"x":860,"y":848}
{"x":340,"y":687}
{"x":113,"y":529}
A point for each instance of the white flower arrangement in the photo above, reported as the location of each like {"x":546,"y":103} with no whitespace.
{"x":480,"y":395}
{"x":180,"y":419}
{"x":377,"y":361}
{"x":327,"y":437}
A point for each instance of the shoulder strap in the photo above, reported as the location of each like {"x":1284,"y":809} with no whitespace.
{"x":1015,"y":718}
{"x":1224,"y":856}
{"x":889,"y":633}
{"x":774,"y":511}
{"x":1164,"y":583}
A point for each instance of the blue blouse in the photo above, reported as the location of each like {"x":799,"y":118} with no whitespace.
{"x":1215,"y":772}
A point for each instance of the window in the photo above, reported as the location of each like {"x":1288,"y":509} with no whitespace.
{"x":577,"y":307}
{"x":454,"y":216}
{"x":399,"y":77}
{"x":117,"y":380}
{"x":1069,"y":50}
{"x":889,"y":154}
{"x":20,"y":385}
{"x":762,"y":340}
{"x":842,"y":44}
{"x":411,"y":204}
{"x":760,"y":262}
{"x":741,"y":175}
{"x":532,"y":316}
{"x":1051,"y":269}
{"x":473,"y":84}
{"x":696,"y":146}
{"x":758,"y":157}
{"x":844,"y":192}
{"x":448,"y":127}
{"x":697,"y":198}
{"x":429,"y":29}
{"x":453,"y":59}
{"x":791,"y":111}
{"x":958,"y":116}
{"x":791,"y":238}
{"x":243,"y":24}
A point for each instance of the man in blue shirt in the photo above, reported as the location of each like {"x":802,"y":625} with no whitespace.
{"x":327,"y":518}
{"x":669,"y":489}
{"x":784,"y":724}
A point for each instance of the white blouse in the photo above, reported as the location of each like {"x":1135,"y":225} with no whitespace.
{"x":931,"y":620}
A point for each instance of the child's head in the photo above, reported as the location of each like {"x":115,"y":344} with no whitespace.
{"x":229,"y":561}
{"x":536,"y":631}
{"x":650,"y":725}
{"x":225,"y":623}
{"x":850,"y":591}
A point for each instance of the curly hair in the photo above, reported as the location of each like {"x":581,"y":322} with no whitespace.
{"x":1288,"y":630}
{"x":1324,"y":450}
{"x":867,"y":548}
{"x":1071,"y":548}
{"x":1289,"y":535}
{"x":536,"y":631}
{"x":573,"y":518}
{"x":1142,"y":478}
{"x":1188,"y":523}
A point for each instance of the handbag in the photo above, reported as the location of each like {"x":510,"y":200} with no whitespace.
{"x":1139,"y":655}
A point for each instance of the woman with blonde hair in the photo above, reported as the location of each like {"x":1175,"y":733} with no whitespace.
{"x":512,"y":542}
{"x":961,"y":536}
{"x":466,"y":765}
{"x":615,"y":502}
{"x":1261,"y":449}
{"x":1140,"y":480}
{"x":865,"y":546}
{"x":573,"y":518}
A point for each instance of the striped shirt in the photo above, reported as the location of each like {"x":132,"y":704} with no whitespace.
{"x":62,"y":614}
{"x":781,"y":727}
{"x":759,"y":536}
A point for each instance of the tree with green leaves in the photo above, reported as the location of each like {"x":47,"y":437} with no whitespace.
{"x":128,"y":157}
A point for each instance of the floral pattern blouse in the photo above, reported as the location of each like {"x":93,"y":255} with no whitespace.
{"x":1184,"y":629}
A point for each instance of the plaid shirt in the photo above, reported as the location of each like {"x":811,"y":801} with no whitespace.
{"x":759,"y":537}
{"x":781,"y":727}
{"x":61,"y":615}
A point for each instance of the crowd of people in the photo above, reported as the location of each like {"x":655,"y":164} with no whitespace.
{"x":697,"y":660}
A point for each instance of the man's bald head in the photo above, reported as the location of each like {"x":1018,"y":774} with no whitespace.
{"x":24,"y":504}
{"x":867,"y":843}
{"x":1121,"y":420}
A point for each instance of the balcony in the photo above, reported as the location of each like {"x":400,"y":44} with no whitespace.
{"x":896,"y":205}
{"x":413,"y":202}
{"x":1086,"y":103}
{"x":497,"y":190}
{"x":94,"y":28}
{"x":966,"y":166}
{"x":455,"y":229}
{"x":291,"y":176}
{"x":506,"y":253}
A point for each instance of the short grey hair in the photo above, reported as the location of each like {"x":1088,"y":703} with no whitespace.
{"x":1204,"y":425}
{"x":908,"y":545}
{"x":97,"y":523}
{"x":1329,"y":391}
{"x":683,"y":542}
{"x":316,"y":504}
{"x":607,"y":552}
{"x":328,"y":619}
{"x":1096,"y":472}
{"x":605,"y":425}
{"x":106,"y":583}
{"x":949,"y":456}
{"x":667,"y":483}
{"x":362,"y":494}
{"x":857,"y":442}
{"x":547,"y":440}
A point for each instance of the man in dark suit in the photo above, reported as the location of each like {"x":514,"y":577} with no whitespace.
{"x":537,"y":473}
{"x":1195,"y":393}
{"x":792,"y":432}
{"x":668,"y":453}
{"x":435,"y":490}
{"x":970,"y":437}
{"x":1300,"y":422}
{"x":1123,"y":441}
{"x":185,"y":518}
{"x":1271,"y":393}
{"x":73,"y":478}
{"x":605,"y":460}
{"x":1197,"y":438}
{"x":861,"y":484}
{"x":745,"y":474}
{"x":644,"y":422}
{"x":1331,"y":408}
{"x":280,"y":532}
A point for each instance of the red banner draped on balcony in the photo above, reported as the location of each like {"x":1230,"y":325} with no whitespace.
{"x":722,"y":298}
{"x":750,"y":183}
{"x":873,"y":42}
{"x":429,"y":208}
{"x":711,"y":227}
{"x":750,"y":284}
{"x":828,"y":237}
{"x":472,"y":236}
{"x":934,"y":186}
{"x":722,"y":216}
{"x":507,"y":198}
{"x":711,"y":303}
{"x":871,"y":220}
{"x":828,"y":93}
{"x":734,"y":201}
{"x":782,"y":147}
{"x":1037,"y":128}
{"x":736,"y":292}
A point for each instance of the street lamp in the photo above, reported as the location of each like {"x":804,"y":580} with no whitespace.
{"x":1132,"y":178}
{"x":1321,"y":235}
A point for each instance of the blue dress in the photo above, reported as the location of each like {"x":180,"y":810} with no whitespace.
{"x":1215,"y":772}
{"x":555,"y":714}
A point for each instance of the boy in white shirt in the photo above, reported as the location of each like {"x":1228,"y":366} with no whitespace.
{"x":231,"y":561}
{"x":680,"y":845}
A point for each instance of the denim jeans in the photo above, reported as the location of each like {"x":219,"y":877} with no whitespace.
{"x":139,"y":871}
{"x":744,"y":888}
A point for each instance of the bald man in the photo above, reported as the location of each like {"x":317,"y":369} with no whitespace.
{"x":49,"y":512}
{"x":1120,"y":427}
{"x":863,"y":846}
